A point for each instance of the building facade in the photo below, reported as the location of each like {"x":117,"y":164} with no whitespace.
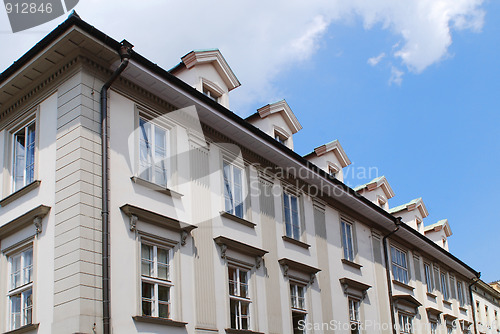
{"x":215,"y":224}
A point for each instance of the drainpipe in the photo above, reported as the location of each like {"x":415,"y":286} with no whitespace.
{"x":473,"y":307}
{"x":125,"y":53}
{"x":388,"y":273}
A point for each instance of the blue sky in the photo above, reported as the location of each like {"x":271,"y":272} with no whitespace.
{"x":423,"y":111}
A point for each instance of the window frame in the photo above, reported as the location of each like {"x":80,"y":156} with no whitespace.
{"x":354,"y":308}
{"x":399,"y":266}
{"x":297,"y":311}
{"x":156,"y":281}
{"x":460,"y":293}
{"x":243,"y":186}
{"x":21,"y":289}
{"x":289,"y":194}
{"x":240,"y":300}
{"x":349,"y":254}
{"x":151,"y":152}
{"x":428,"y":277}
{"x":403,"y":327}
{"x":444,"y":285}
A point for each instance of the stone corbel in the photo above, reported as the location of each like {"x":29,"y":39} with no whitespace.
{"x":258,"y":261}
{"x":133,"y":222}
{"x":184,"y":235}
{"x":285,"y":270}
{"x":223,"y":250}
{"x":37,"y":221}
{"x":312,"y":278}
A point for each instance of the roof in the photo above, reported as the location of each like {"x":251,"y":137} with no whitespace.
{"x":377,"y":182}
{"x":442,"y":224}
{"x":335,"y":147}
{"x":417,"y":203}
{"x":284,"y":109}
{"x":76,"y":23}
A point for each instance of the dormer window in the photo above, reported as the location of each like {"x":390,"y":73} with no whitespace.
{"x":332,"y":172}
{"x":280,"y":138}
{"x":210,"y":93}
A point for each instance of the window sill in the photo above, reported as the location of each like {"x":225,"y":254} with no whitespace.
{"x":237,"y":219}
{"x":159,"y":321}
{"x":296,"y":242}
{"x":241,"y":331}
{"x":155,"y":187}
{"x":403,"y":285}
{"x":351,"y":263}
{"x":19,"y":193}
{"x":445,"y":302}
{"x":429,"y":294}
{"x":24,"y":329}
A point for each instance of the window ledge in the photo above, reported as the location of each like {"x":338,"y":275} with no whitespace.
{"x":351,"y":263}
{"x":155,"y":187}
{"x":463,"y":309}
{"x":19,"y":193}
{"x":429,"y":294}
{"x":237,"y":219}
{"x":241,"y":331}
{"x":445,"y":302}
{"x":296,"y":242}
{"x":159,"y":321}
{"x":24,"y":329}
{"x":403,"y":285}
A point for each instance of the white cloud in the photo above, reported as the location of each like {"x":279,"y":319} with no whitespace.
{"x":261,"y":39}
{"x":373,"y":61}
{"x":396,"y":76}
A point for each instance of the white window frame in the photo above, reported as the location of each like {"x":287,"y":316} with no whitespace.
{"x":229,"y":194}
{"x":460,"y":293}
{"x":298,"y":302}
{"x":405,"y":323}
{"x":354,"y":315}
{"x":347,"y":240}
{"x":399,"y":266}
{"x":240,"y":300}
{"x":444,"y":286}
{"x":151,"y":164}
{"x":428,"y":277}
{"x":292,"y":230}
{"x":26,"y":179}
{"x":25,"y":287}
{"x":156,"y":281}
{"x":433,"y":326}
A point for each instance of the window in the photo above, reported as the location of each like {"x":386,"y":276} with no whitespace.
{"x":21,"y":288}
{"x":449,"y":330}
{"x":298,"y":302}
{"x":332,"y":172}
{"x":210,"y":93}
{"x":233,"y":189}
{"x":153,"y":152}
{"x":239,"y":298}
{"x":444,"y":286}
{"x":280,"y":138}
{"x":428,"y":277}
{"x":292,"y":222}
{"x":460,"y":291}
{"x":347,"y":240}
{"x":155,"y":280}
{"x":399,"y":265}
{"x":23,"y":157}
{"x":405,"y":323}
{"x":354,"y":318}
{"x":433,"y":327}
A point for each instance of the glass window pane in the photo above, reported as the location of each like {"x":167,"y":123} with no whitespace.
{"x":147,"y":308}
{"x":147,"y":290}
{"x":163,"y":293}
{"x":27,"y":306}
{"x":164,"y":310}
{"x":15,"y":311}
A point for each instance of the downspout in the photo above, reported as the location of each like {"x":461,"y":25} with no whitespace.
{"x":125,"y":53}
{"x":473,"y":307}
{"x":388,"y":273}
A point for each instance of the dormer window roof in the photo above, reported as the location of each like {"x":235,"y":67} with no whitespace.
{"x":440,"y":225}
{"x":284,"y":109}
{"x":379,"y":182}
{"x":417,"y":203}
{"x":213,"y":56}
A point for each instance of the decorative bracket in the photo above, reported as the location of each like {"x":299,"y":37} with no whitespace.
{"x":223,"y":250}
{"x":285,"y":270}
{"x":37,"y":221}
{"x":312,"y":278}
{"x":258,"y":261}
{"x":184,"y":235}
{"x":133,"y":222}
